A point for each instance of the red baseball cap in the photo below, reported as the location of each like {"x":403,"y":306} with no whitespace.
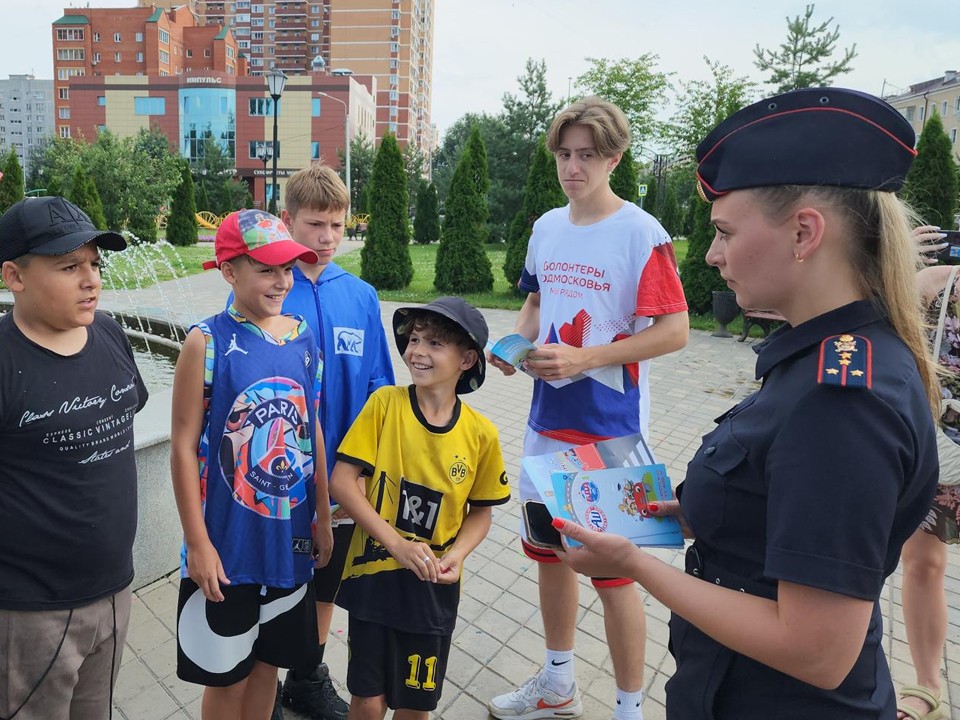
{"x":260,"y":235}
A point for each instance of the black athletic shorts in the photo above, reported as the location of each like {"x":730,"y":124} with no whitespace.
{"x":218,"y":642}
{"x":326,"y":580}
{"x":407,"y":668}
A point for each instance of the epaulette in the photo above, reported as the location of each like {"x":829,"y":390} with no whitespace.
{"x":845,"y":360}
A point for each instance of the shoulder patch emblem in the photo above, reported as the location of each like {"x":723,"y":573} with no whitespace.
{"x":845,"y":360}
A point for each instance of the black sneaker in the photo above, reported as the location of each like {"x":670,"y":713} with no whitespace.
{"x":277,"y":707}
{"x":316,"y":696}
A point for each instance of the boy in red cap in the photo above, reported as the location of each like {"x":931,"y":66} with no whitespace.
{"x":249,"y":474}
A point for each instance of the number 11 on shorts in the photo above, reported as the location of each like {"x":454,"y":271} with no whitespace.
{"x":413,"y":681}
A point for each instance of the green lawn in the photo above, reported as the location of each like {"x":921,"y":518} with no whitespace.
{"x":421,"y":289}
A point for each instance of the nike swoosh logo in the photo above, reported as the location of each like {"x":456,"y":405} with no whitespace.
{"x":219,"y":653}
{"x":558,"y":664}
{"x":541,"y":705}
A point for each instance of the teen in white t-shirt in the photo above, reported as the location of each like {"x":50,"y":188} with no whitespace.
{"x":604,"y":298}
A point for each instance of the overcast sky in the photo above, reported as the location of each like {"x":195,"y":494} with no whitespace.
{"x":480,"y":46}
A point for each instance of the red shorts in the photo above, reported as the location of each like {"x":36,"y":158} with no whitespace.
{"x":548,"y":557}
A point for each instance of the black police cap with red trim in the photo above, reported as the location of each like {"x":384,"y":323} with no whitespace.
{"x":816,"y":136}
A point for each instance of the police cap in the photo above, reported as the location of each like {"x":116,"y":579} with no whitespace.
{"x":815,"y":136}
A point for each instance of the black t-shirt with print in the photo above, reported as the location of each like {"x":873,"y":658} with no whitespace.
{"x":68,"y":477}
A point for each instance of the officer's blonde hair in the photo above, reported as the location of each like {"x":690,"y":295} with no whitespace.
{"x":882,"y":253}
{"x":317,"y":187}
{"x":606,"y":122}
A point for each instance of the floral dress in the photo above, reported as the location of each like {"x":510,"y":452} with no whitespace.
{"x":943,"y":520}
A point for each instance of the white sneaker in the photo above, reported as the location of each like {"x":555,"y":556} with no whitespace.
{"x":534,"y":701}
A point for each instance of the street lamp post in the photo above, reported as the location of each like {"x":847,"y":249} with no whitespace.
{"x":276,"y":81}
{"x":346,"y":143}
{"x":264,"y":154}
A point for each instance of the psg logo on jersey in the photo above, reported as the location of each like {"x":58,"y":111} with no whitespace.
{"x":266,"y":452}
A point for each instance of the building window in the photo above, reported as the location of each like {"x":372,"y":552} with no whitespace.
{"x":96,"y":58}
{"x":394,"y":47}
{"x":67,"y":73}
{"x":139,"y":57}
{"x":63,"y":93}
{"x":394,"y":94}
{"x":393,"y":127}
{"x":255,"y":145}
{"x":953,"y":135}
{"x":64,"y":113}
{"x":224,"y":105}
{"x":257,"y":49}
{"x":164,"y":57}
{"x":256,"y":62}
{"x":116,"y":37}
{"x":164,"y":37}
{"x":149,"y":105}
{"x":69,"y":33}
{"x":315,"y":9}
{"x":206,"y":53}
{"x":316,"y":107}
{"x":394,"y":63}
{"x":96,"y":37}
{"x":393,"y":111}
{"x":314,"y":23}
{"x":956,"y":106}
{"x":243,"y":17}
{"x":243,"y":44}
{"x":920,"y":109}
{"x":118,"y":57}
{"x":314,"y":151}
{"x":102,"y":100}
{"x":70,"y":54}
{"x":65,"y":132}
{"x":230,"y":53}
{"x":256,"y":9}
{"x":260,"y":106}
{"x":395,"y":14}
{"x":943,"y":112}
{"x":256,"y":22}
{"x":314,"y":37}
{"x":139,"y":37}
{"x":394,"y":79}
{"x":189,"y":52}
{"x":910,"y":113}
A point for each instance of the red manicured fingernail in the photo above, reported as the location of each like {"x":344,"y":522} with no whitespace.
{"x":654,"y":507}
{"x":557,"y":523}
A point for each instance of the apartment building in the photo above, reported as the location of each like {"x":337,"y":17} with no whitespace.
{"x":26,"y":115}
{"x":940,"y":95}
{"x":236,"y":111}
{"x":389,"y":39}
{"x":134,"y":42}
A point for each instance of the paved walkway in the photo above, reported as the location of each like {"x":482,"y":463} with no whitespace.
{"x":499,"y":636}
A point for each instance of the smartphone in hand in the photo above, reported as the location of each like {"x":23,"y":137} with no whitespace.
{"x":539,"y":526}
{"x":952,"y":250}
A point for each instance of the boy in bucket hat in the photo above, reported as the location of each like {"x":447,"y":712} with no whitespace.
{"x":426,"y":457}
{"x":249,"y":476}
{"x":69,"y":388}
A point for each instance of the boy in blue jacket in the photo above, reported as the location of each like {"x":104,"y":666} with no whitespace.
{"x":344,"y":313}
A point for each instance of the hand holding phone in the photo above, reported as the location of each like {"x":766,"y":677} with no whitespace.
{"x":952,"y":250}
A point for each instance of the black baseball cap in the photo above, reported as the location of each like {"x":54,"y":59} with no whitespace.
{"x":816,"y":136}
{"x":463,"y":314}
{"x":50,"y":226}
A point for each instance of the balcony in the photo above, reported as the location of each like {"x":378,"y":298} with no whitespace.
{"x":290,"y":53}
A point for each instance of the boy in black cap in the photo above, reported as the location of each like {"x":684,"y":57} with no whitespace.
{"x":69,"y":389}
{"x":425,"y":456}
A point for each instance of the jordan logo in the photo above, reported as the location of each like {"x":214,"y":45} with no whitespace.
{"x":234,"y":347}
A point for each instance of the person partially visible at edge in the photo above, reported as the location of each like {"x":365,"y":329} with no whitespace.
{"x":925,"y":553}
{"x":69,"y":389}
{"x":344,"y":314}
{"x":803,"y":496}
{"x":250,"y":478}
{"x":604,"y":297}
{"x":432,"y":471}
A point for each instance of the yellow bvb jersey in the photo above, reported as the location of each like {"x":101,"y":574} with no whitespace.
{"x":420,"y":478}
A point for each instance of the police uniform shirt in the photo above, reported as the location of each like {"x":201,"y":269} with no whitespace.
{"x":816,"y":479}
{"x":419,"y":478}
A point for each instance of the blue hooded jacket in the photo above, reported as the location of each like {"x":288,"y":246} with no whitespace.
{"x":344,"y":314}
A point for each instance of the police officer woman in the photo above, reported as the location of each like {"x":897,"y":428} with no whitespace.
{"x":802,"y":497}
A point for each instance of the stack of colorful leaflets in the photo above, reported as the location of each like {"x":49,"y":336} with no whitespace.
{"x":513,"y":350}
{"x":607,"y":487}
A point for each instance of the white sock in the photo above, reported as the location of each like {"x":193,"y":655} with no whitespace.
{"x":628,"y":705}
{"x":559,"y":667}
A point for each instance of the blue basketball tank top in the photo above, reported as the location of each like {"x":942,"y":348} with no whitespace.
{"x":257,"y":450}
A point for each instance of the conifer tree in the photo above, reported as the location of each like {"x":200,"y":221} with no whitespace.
{"x":182,"y":225}
{"x":623,"y":179}
{"x":11,"y":186}
{"x":79,"y":190}
{"x":699,"y":279}
{"x":203,"y":200}
{"x":542,"y":193}
{"x":94,"y":206}
{"x":53,"y":188}
{"x":931,"y":185}
{"x":385,"y":258}
{"x":650,"y":199}
{"x":462,"y":264}
{"x":426,"y":226}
